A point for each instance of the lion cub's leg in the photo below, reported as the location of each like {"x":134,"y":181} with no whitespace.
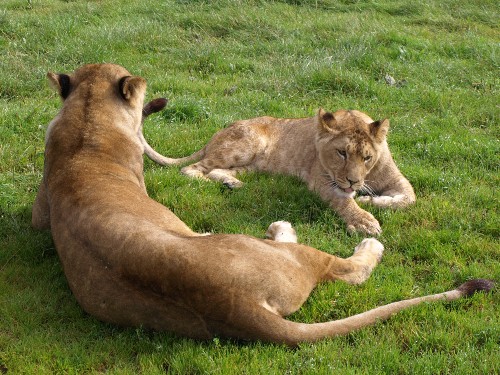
{"x":355,"y":217}
{"x":358,"y":267}
{"x":388,"y":201}
{"x":226,"y":176}
{"x":281,"y":231}
{"x":400,"y":195}
{"x":194,"y":171}
{"x":384,"y":201}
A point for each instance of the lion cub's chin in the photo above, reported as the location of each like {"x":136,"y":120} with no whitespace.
{"x":343,"y":194}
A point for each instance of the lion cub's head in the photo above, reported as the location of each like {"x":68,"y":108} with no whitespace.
{"x":349,"y":144}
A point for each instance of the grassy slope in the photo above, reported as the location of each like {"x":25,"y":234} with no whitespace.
{"x":226,"y":60}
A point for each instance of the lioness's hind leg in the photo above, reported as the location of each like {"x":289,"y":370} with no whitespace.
{"x":358,"y":267}
{"x":281,"y":231}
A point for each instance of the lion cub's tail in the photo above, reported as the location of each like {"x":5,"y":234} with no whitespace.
{"x":153,"y":106}
{"x":163,"y":160}
{"x":291,"y":333}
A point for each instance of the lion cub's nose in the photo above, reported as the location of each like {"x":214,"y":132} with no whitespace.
{"x":352,"y":182}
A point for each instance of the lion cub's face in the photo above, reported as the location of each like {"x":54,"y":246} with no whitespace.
{"x":349,"y":145}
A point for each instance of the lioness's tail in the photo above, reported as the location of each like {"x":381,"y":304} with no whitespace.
{"x":276,"y":329}
{"x":153,"y":106}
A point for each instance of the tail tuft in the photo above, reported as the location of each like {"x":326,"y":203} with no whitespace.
{"x":470,"y":287}
{"x":153,"y":106}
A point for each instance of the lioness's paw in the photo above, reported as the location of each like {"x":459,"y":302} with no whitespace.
{"x":366,"y":257}
{"x":281,"y":231}
{"x":370,"y":246}
{"x":365,"y":223}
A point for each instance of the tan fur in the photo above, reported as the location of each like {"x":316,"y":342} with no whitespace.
{"x":336,"y":154}
{"x":131,"y":261}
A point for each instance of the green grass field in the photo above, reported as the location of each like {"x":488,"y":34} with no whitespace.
{"x":220,"y":61}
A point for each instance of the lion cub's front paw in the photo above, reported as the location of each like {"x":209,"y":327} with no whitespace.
{"x":364,"y":222}
{"x":281,"y":231}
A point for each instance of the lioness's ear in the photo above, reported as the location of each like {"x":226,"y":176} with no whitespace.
{"x":131,"y":86}
{"x":61,"y":83}
{"x":379,"y":129}
{"x":326,"y":121}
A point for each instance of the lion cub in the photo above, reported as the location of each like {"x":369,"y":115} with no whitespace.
{"x":336,"y":154}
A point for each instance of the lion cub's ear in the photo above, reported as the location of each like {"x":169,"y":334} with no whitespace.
{"x":131,"y":87}
{"x":327,"y":121}
{"x":379,"y":129}
{"x":61,"y":83}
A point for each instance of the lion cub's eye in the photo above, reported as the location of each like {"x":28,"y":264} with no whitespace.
{"x":368,"y":158}
{"x":342,"y":154}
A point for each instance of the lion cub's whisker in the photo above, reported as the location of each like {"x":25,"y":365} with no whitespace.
{"x":366,"y":189}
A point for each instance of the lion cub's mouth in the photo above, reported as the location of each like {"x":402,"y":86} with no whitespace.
{"x":345,"y":192}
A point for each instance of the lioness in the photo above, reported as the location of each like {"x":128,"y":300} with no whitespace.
{"x":131,"y":261}
{"x":336,"y":154}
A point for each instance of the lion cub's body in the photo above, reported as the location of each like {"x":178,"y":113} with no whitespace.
{"x":336,"y":154}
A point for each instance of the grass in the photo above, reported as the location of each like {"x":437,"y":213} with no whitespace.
{"x":226,"y":60}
